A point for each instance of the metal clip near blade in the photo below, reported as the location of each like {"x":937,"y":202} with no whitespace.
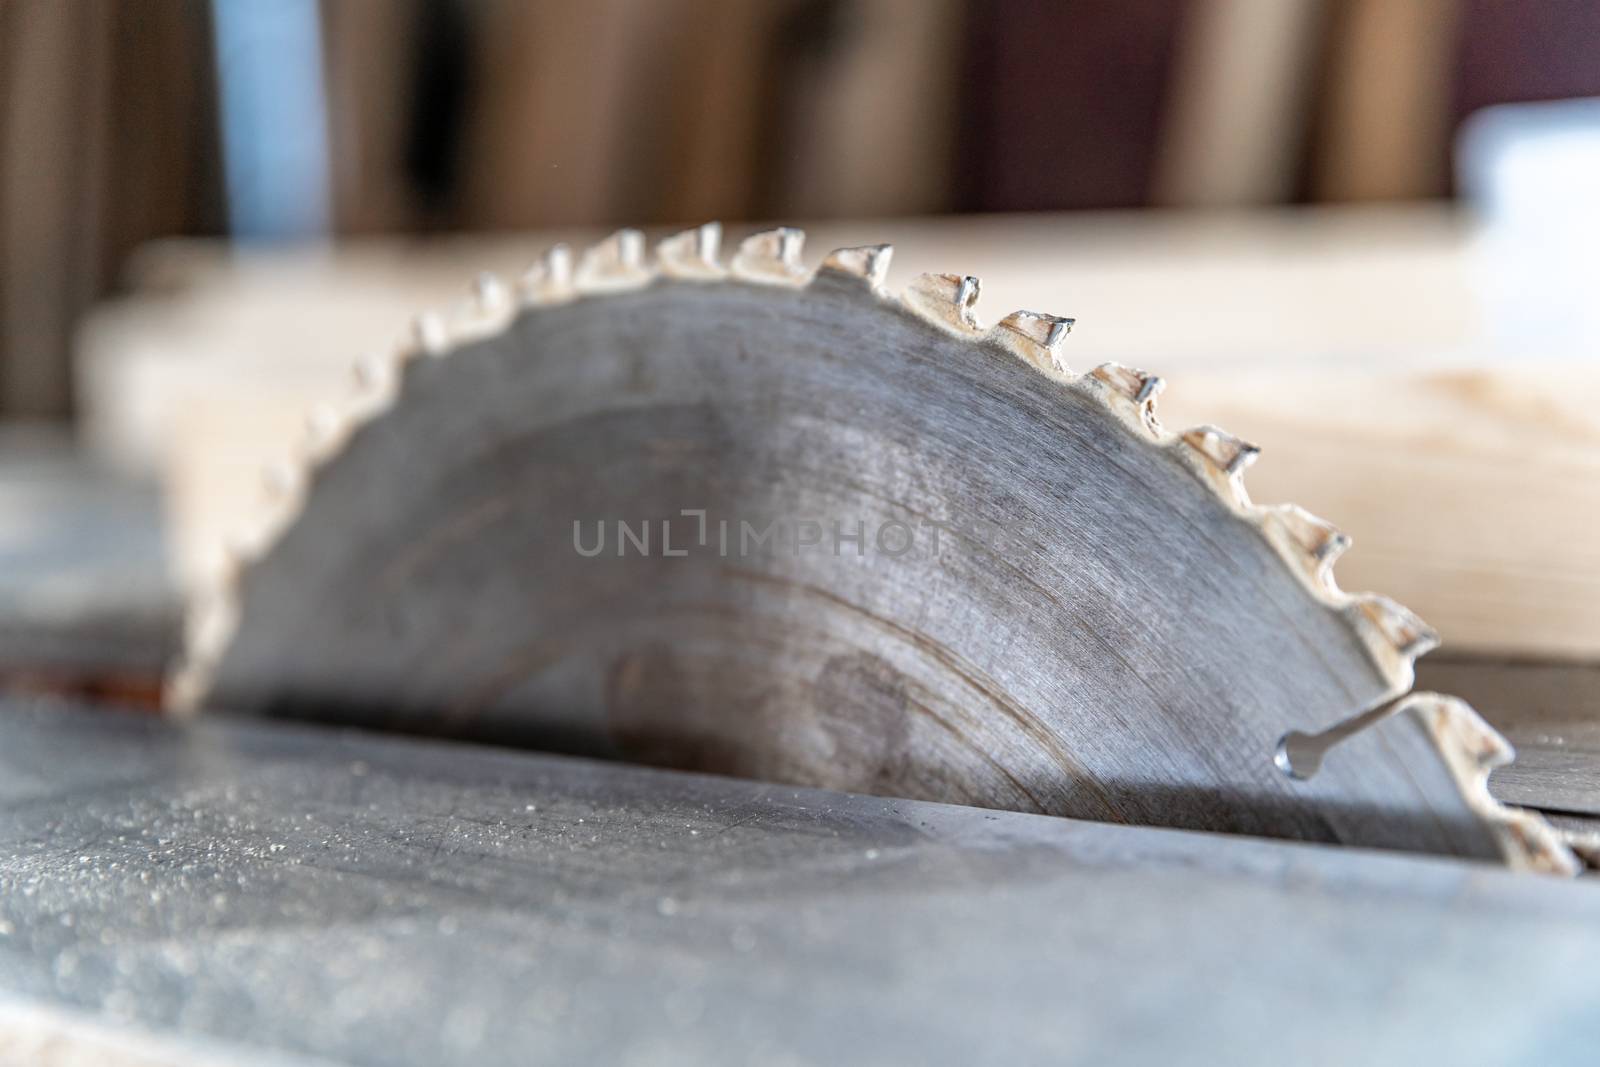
{"x":1299,"y":755}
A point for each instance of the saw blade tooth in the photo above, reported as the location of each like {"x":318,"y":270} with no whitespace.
{"x":429,"y":334}
{"x":1313,"y":545}
{"x":1468,"y":750}
{"x":1036,"y":337}
{"x":375,"y":389}
{"x":245,"y":544}
{"x":869,"y":263}
{"x":1232,"y":454}
{"x":184,"y":693}
{"x":1221,"y":459}
{"x":615,"y":264}
{"x":693,"y":254}
{"x":283,"y":489}
{"x":219,"y":568}
{"x":1130,"y":394}
{"x":549,"y":279}
{"x":946,"y":300}
{"x":372,"y":372}
{"x":1136,"y":386}
{"x":282,"y":479}
{"x":1471,"y":749}
{"x":209,"y":625}
{"x":489,"y":294}
{"x":1398,"y":626}
{"x":771,"y":257}
{"x":271,"y":520}
{"x":375,"y":385}
{"x":485,"y":313}
{"x":323,"y":434}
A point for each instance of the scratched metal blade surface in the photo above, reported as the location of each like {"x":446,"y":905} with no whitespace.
{"x":231,"y":890}
{"x":1054,"y":604}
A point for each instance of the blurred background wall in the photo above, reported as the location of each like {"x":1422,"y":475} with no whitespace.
{"x":125,"y":121}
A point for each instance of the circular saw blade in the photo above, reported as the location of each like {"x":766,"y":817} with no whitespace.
{"x":783,"y":525}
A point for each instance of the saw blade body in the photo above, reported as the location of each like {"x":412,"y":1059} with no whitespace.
{"x":808,"y":534}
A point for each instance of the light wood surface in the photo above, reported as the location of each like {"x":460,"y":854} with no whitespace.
{"x":1472,"y":495}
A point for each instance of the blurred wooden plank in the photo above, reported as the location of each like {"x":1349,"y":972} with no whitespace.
{"x":1472,"y":495}
{"x":1512,"y":53}
{"x":546,"y":134}
{"x":702,"y":125}
{"x":1062,"y":103}
{"x":870,"y":122}
{"x":106,"y":139}
{"x":371,"y":47}
{"x":1386,"y":126}
{"x":1468,"y":476}
{"x":1240,"y":104}
{"x":54,"y":73}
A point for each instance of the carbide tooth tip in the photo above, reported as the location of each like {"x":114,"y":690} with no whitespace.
{"x":967,"y":291}
{"x":867,"y":262}
{"x":622,"y":246}
{"x":1058,"y":333}
{"x":771,"y":256}
{"x":489,"y":291}
{"x":615,"y":263}
{"x":1404,"y":630}
{"x":548,"y":280}
{"x":281,"y":480}
{"x":625,"y":246}
{"x":1317,"y":536}
{"x":947,"y":299}
{"x":708,"y":241}
{"x":1135,"y":385}
{"x":557,"y":262}
{"x":1131,"y":395}
{"x":1046,"y":330}
{"x":322,"y":433}
{"x":370,"y":372}
{"x":1421,"y":644}
{"x":1229,"y":453}
{"x":1036,"y":337}
{"x":630,"y":247}
{"x":1311,"y":544}
{"x":790,"y":241}
{"x":322,"y":422}
{"x":429,"y":333}
{"x":692,"y":253}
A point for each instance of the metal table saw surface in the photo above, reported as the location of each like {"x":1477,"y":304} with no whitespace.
{"x":232,"y":892}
